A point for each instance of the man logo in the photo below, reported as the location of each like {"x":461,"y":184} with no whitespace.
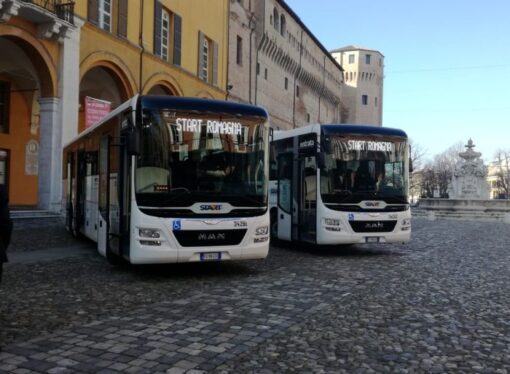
{"x":374,"y":225}
{"x":210,"y":207}
{"x":211,"y":236}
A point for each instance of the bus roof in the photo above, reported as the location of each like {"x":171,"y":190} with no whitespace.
{"x":362,"y":129}
{"x":176,"y":102}
{"x":205,"y":105}
{"x":339,"y":129}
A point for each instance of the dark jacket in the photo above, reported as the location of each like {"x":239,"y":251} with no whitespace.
{"x":5,"y":224}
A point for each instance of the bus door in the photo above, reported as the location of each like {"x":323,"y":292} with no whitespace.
{"x":113,"y":222}
{"x":307,"y":202}
{"x":119,"y":199}
{"x":81,"y":188}
{"x":71,"y":169}
{"x":103,"y":195}
{"x":285,"y":165}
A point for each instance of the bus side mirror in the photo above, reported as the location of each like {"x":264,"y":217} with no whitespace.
{"x":321,"y":160}
{"x":410,"y":166}
{"x":133,"y":143}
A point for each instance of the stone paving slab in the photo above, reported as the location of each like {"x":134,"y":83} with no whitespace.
{"x":438,"y":304}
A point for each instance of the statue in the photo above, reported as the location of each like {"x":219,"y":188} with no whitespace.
{"x":469,"y":179}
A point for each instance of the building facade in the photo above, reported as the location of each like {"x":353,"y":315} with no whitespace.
{"x":498,"y":178}
{"x":56,"y":58}
{"x":276,"y":62}
{"x":363,"y":89}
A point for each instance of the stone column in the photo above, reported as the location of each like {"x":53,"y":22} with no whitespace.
{"x":69,"y":82}
{"x":50,"y":154}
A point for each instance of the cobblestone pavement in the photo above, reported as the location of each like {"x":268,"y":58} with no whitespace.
{"x":438,"y":304}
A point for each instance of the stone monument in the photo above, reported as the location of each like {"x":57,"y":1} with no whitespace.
{"x":468,"y":193}
{"x":469,"y":179}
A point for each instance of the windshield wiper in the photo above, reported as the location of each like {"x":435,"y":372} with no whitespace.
{"x":251,"y":200}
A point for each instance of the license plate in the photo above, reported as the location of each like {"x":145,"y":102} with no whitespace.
{"x":372,"y":239}
{"x":210,"y":256}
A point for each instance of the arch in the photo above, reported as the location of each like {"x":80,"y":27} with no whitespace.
{"x":165,"y":80}
{"x":111,"y":62}
{"x":38,"y":54}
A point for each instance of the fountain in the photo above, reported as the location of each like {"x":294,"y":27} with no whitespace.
{"x":468,"y":193}
{"x":469,"y":177}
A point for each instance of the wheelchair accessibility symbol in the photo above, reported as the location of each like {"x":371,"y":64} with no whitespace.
{"x":176,"y":225}
{"x":351,"y":216}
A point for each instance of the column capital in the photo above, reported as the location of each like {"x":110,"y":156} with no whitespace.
{"x":48,"y":101}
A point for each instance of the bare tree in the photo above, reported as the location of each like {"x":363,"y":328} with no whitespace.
{"x":502,"y":165}
{"x":438,"y":173}
{"x":415,"y":177}
{"x":428,"y":180}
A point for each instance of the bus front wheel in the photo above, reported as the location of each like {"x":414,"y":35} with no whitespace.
{"x":113,"y":258}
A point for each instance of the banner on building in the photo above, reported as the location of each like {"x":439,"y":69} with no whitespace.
{"x":95,"y":110}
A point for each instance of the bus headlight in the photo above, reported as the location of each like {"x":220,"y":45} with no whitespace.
{"x":406,"y":224}
{"x":263,"y":230}
{"x":149,"y":233}
{"x":332,"y":224}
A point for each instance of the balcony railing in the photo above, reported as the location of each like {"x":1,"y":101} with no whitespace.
{"x":62,"y":9}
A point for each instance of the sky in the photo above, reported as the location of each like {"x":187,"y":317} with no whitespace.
{"x":447,"y":64}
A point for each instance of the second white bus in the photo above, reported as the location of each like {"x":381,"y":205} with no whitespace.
{"x":340,"y":184}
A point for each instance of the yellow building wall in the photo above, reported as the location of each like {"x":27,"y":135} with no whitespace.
{"x":22,"y":187}
{"x":207,"y":16}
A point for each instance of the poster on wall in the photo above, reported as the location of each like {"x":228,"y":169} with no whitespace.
{"x":95,"y":110}
{"x":32,"y":157}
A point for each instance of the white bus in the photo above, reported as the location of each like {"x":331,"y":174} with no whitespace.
{"x":166,"y":179}
{"x":340,"y":184}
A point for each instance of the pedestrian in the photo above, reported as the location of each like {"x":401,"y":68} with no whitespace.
{"x":5,"y":227}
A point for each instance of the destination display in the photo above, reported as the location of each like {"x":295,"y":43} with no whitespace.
{"x":367,"y":145}
{"x":212,"y":127}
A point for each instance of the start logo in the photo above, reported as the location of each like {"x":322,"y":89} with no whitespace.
{"x":373,"y":204}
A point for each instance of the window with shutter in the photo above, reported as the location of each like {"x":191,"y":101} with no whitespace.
{"x":177,"y":39}
{"x":105,"y":14}
{"x":204,"y":69}
{"x":123,"y":17}
{"x":207,"y":59}
{"x":165,"y":34}
{"x":93,"y":11}
{"x":157,"y":27}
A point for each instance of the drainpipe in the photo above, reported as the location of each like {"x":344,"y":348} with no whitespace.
{"x":142,"y":50}
{"x":322,"y":88}
{"x":258,"y":49}
{"x":228,"y":86}
{"x":252,"y":29}
{"x":296,"y":75}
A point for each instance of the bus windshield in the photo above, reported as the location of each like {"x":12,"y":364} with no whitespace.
{"x":192,"y":156}
{"x":364,"y":167}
